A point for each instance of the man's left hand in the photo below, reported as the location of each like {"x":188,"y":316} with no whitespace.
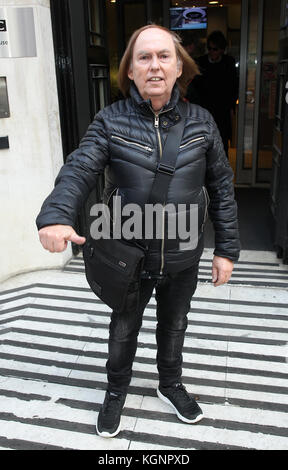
{"x":221,"y":270}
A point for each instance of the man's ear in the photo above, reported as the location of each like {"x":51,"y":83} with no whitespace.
{"x":130,"y":73}
{"x":179,"y":68}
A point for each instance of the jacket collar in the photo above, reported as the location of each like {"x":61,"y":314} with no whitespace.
{"x":146,"y":104}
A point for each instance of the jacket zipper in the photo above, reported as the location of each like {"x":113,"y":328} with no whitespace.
{"x":114,"y":193}
{"x":130,"y":142}
{"x":207,"y":201}
{"x":156,"y":125}
{"x":191,"y":142}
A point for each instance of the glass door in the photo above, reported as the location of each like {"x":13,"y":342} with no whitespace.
{"x":248,"y":90}
{"x":257,"y":92}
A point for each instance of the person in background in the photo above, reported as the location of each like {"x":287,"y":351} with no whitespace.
{"x":216,"y":89}
{"x":190,"y":42}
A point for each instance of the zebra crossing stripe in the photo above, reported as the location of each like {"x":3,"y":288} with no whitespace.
{"x":53,"y":350}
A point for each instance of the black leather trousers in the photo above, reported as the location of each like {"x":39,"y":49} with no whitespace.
{"x":173,"y":296}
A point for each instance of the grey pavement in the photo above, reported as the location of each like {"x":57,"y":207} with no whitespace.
{"x":53,"y":350}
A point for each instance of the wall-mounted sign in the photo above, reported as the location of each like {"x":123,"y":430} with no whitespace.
{"x":3,"y":26}
{"x":17,"y":32}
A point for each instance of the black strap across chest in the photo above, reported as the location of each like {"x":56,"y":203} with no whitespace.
{"x":166,"y":166}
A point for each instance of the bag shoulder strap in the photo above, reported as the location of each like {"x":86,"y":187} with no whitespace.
{"x":166,"y":166}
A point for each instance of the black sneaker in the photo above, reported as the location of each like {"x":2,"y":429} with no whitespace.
{"x":109,"y":417}
{"x":187,"y":409}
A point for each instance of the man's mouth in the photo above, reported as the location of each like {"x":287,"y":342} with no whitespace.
{"x":155,"y":79}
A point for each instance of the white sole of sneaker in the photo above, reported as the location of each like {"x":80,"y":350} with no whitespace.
{"x":107,"y":434}
{"x":185,"y":420}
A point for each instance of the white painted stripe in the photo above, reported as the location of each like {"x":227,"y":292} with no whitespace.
{"x":274,"y":262}
{"x":192,"y":329}
{"x":144,"y":446}
{"x":256,"y":396}
{"x":57,"y":391}
{"x":207,"y":265}
{"x":251,"y":379}
{"x":13,"y":365}
{"x":203,"y":434}
{"x":58,"y":328}
{"x":226,"y":412}
{"x":249,"y":364}
{"x":151,"y":368}
{"x":194,"y":317}
{"x":39,"y":354}
{"x":45,"y":409}
{"x":62,"y":438}
{"x":279,"y":351}
{"x":43,"y":340}
{"x":54,"y":390}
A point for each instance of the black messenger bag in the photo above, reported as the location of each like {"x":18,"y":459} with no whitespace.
{"x":113,"y":267}
{"x":113,"y":271}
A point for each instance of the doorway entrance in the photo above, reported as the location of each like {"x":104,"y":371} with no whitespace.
{"x":251,"y":28}
{"x":257,"y":91}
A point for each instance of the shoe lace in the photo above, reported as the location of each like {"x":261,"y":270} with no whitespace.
{"x":112,"y":405}
{"x":183,"y":398}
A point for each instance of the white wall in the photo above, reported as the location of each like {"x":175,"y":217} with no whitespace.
{"x":29,"y":167}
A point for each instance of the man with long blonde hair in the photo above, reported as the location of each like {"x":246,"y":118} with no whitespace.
{"x":127,"y":139}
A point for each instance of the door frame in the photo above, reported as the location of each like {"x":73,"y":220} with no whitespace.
{"x":247,"y":176}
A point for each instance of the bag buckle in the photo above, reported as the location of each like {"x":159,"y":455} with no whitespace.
{"x":167,"y":169}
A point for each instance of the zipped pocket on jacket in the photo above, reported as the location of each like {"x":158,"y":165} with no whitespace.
{"x":113,"y":193}
{"x":192,"y":141}
{"x":137,"y":145}
{"x":207,"y":202}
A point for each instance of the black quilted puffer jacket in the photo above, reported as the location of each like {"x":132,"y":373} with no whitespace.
{"x":126,"y":139}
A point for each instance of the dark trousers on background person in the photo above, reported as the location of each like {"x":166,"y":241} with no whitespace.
{"x":173,"y":296}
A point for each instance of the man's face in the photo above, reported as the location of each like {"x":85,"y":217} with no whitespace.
{"x":154,"y":66}
{"x":214,"y":52}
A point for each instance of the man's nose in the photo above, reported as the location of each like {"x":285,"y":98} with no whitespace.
{"x":155,"y":62}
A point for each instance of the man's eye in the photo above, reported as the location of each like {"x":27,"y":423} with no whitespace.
{"x":144,"y":58}
{"x":164,"y":57}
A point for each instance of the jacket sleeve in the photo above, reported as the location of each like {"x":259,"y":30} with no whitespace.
{"x":76,"y":178}
{"x":222,"y":207}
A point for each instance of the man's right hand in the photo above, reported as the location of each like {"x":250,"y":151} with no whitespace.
{"x":54,"y":238}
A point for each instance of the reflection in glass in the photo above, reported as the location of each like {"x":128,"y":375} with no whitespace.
{"x":99,"y":86}
{"x":250,"y":84}
{"x":96,"y":33}
{"x":268,"y":90}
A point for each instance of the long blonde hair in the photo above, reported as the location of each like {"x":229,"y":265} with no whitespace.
{"x":189,"y":67}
